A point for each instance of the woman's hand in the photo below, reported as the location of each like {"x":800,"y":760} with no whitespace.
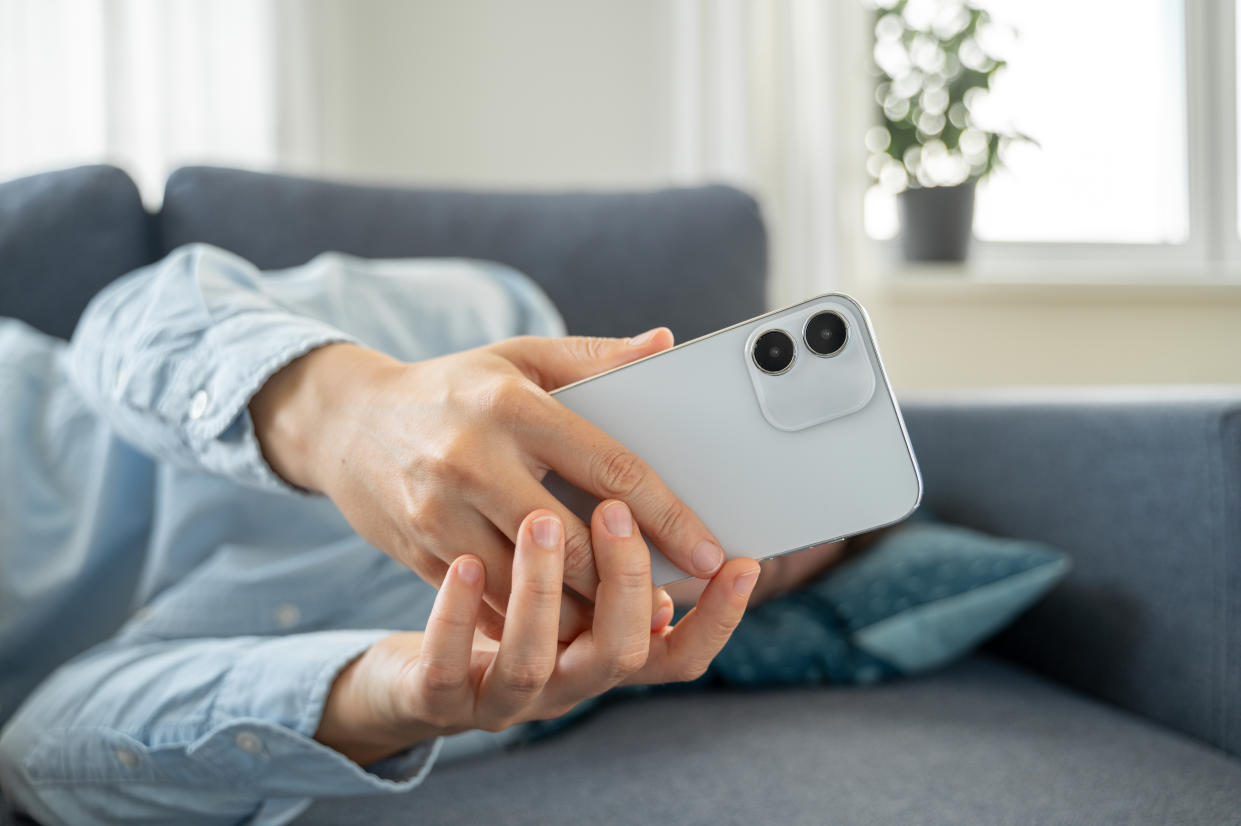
{"x":435,"y":459}
{"x":412,"y":686}
{"x":781,"y":575}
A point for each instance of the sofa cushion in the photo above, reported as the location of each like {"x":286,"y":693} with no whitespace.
{"x":63,"y":237}
{"x":614,"y":263}
{"x":980,"y":743}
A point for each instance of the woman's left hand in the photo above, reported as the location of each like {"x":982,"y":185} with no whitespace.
{"x":412,"y":686}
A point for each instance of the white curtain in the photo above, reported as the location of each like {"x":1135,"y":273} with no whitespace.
{"x":152,"y":84}
{"x":753,"y":103}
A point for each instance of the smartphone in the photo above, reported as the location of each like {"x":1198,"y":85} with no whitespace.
{"x":780,"y":432}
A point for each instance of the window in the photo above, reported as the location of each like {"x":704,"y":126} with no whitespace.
{"x":1108,"y":113}
{"x":146,"y":84}
{"x":1133,"y":104}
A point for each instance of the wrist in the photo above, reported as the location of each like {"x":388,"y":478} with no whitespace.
{"x":298,"y":410}
{"x":358,"y":719}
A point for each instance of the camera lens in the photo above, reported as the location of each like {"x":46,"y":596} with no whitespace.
{"x":773,"y":352}
{"x":826,"y":333}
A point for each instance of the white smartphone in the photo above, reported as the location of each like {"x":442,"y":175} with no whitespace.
{"x":780,"y":432}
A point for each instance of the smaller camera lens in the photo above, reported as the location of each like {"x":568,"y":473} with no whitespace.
{"x":826,"y":333}
{"x":774,"y":351}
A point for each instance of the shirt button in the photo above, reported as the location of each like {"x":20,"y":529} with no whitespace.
{"x":198,"y":404}
{"x":128,"y":758}
{"x":248,"y":742}
{"x":287,"y":615}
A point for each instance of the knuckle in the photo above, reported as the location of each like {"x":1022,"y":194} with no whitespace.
{"x":691,"y":670}
{"x":526,"y":677}
{"x":595,"y":347}
{"x":721,"y":628}
{"x":671,"y":518}
{"x":543,"y":593}
{"x":455,"y":460}
{"x":426,"y":514}
{"x":438,"y":715}
{"x":633,"y":575}
{"x":631,"y":656}
{"x":618,"y":473}
{"x":506,"y":398}
{"x":440,"y":678}
{"x":449,"y":624}
{"x":579,"y":556}
{"x":632,"y":659}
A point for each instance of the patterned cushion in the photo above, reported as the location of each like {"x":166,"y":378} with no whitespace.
{"x":922,"y":596}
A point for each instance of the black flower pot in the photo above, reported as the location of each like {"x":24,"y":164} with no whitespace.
{"x":936,"y":222}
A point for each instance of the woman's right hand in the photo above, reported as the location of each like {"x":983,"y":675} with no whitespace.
{"x":434,"y":459}
{"x":409,"y":687}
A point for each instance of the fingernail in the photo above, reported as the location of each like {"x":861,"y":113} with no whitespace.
{"x":744,"y":584}
{"x":643,"y":338}
{"x":469,"y":570}
{"x":616,"y":516}
{"x":546,"y":530}
{"x":708,"y":557}
{"x":662,"y":617}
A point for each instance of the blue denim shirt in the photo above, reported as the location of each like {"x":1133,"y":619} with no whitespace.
{"x":172,"y":615}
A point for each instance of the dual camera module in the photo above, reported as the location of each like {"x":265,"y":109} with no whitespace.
{"x":824,"y":335}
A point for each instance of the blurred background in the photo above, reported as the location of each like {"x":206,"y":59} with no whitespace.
{"x":1096,"y":141}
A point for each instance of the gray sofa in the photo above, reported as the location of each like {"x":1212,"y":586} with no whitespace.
{"x":1116,"y":700}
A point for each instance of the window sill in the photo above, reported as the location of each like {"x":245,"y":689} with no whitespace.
{"x":1055,"y":281}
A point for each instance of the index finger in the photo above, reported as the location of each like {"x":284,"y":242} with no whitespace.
{"x":590,"y":459}
{"x":528,"y":646}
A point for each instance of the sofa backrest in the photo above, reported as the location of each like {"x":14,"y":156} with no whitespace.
{"x":616,"y":263}
{"x":65,"y":235}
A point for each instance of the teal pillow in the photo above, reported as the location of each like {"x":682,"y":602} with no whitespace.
{"x":922,"y":596}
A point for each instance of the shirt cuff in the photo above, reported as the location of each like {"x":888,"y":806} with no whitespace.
{"x":211,"y":393}
{"x":269,"y":707}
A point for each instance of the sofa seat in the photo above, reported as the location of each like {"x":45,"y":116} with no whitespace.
{"x":983,"y":742}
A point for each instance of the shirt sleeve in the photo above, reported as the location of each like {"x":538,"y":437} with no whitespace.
{"x":171,"y":355}
{"x":198,"y":731}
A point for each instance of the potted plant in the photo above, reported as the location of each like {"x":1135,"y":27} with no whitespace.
{"x":933,"y":65}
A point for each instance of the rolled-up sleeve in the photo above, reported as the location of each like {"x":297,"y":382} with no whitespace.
{"x":172,"y":354}
{"x":199,"y":731}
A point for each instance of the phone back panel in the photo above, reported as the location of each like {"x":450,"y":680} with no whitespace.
{"x":750,"y":456}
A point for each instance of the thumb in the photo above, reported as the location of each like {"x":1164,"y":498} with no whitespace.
{"x":555,"y":362}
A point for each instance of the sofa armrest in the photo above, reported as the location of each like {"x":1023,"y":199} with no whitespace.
{"x":1143,"y":489}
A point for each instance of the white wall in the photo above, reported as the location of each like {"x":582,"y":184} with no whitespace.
{"x":538,"y":93}
{"x":945,"y":335}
